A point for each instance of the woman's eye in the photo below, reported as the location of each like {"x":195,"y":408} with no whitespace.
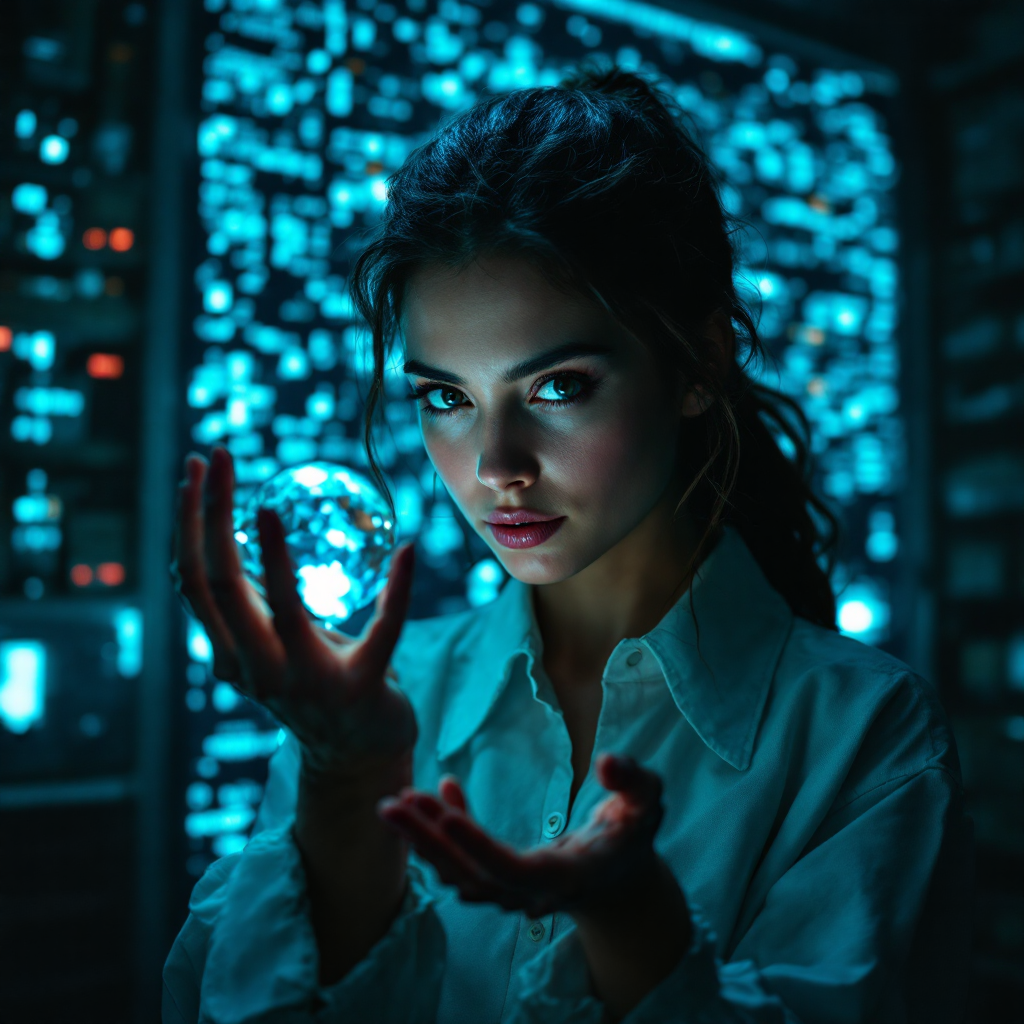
{"x":558,"y":389}
{"x":443,"y":398}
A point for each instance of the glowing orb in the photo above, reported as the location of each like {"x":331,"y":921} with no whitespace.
{"x":339,"y":531}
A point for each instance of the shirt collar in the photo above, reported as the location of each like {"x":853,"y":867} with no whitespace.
{"x":720,"y":689}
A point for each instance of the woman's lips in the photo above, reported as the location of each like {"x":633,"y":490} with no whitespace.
{"x":525,"y":535}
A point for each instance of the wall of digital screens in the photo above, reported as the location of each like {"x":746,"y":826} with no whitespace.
{"x":308,"y":107}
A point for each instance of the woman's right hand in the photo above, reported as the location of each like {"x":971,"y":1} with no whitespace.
{"x":332,"y":692}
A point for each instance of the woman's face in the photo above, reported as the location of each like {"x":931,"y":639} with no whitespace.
{"x":536,"y":406}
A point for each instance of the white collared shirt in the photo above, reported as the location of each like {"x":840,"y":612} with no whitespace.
{"x":813,"y":818}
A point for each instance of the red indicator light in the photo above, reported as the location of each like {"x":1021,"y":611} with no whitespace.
{"x":104,"y":366}
{"x":81,"y":575}
{"x":6,"y":337}
{"x":122,"y":239}
{"x":110,"y":573}
{"x":94,"y":238}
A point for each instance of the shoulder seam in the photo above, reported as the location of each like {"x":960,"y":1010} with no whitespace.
{"x":903,"y":778}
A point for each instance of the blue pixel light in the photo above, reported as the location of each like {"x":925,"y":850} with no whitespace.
{"x":54,"y":149}
{"x":484,"y":582}
{"x":129,"y":633}
{"x":29,"y":198}
{"x":22,"y":684}
{"x":863,"y":611}
{"x":25,"y":122}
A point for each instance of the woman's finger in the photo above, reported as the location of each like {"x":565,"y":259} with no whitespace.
{"x":291,"y":621}
{"x":452,"y":793}
{"x":381,"y":634}
{"x":254,"y":636}
{"x":452,"y":863}
{"x":190,"y":567}
{"x":501,"y":862}
{"x":625,"y":775}
{"x":423,"y":804}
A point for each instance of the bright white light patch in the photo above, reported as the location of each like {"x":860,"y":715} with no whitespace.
{"x":22,"y":684}
{"x":339,"y":539}
{"x":310,"y":476}
{"x":53,"y":150}
{"x":855,"y":617}
{"x":323,"y":587}
{"x":199,"y":646}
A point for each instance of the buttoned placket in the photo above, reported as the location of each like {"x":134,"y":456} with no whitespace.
{"x":626,"y":666}
{"x":554,"y":786}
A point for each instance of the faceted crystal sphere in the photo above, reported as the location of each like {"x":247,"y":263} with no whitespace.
{"x":339,"y":533}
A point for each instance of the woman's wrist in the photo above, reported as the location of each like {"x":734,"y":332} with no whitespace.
{"x":355,"y":866}
{"x":635,"y":938}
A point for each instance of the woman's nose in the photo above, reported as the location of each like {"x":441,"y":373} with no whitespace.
{"x":506,"y":460}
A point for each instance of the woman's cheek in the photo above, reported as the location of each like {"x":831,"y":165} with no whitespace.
{"x":454,"y":462}
{"x":609,"y":455}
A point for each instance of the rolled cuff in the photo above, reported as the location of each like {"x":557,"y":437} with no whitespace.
{"x":263,"y":961}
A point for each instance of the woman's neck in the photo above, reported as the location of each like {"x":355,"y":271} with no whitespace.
{"x":625,"y":592}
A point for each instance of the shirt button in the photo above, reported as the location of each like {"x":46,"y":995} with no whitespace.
{"x":634,"y":658}
{"x":554,"y":823}
{"x":536,"y":931}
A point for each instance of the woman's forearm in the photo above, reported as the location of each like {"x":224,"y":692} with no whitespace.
{"x":355,"y":866}
{"x":636,"y":942}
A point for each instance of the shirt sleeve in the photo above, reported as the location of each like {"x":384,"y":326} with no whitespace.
{"x":247,"y":952}
{"x":871,"y":924}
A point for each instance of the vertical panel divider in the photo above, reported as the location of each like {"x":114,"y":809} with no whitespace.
{"x":157,"y":810}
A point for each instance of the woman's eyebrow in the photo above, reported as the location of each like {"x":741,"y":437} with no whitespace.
{"x":519,"y":370}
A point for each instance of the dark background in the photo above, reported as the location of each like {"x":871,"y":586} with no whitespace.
{"x":95,"y":864}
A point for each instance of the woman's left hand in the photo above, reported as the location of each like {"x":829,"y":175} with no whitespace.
{"x":582,"y":872}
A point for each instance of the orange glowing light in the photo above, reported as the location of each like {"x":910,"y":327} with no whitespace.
{"x":6,"y":337}
{"x":81,"y":575}
{"x":94,"y":238}
{"x":122,"y":239}
{"x":104,"y":366}
{"x":110,"y":573}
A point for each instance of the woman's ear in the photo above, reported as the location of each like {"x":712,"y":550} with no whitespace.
{"x":718,"y":332}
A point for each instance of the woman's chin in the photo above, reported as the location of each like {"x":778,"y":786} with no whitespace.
{"x":538,"y":566}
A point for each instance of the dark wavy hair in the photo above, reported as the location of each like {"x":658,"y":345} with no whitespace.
{"x":599,"y":183}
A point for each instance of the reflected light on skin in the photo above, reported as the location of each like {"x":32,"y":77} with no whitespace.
{"x":605,"y":460}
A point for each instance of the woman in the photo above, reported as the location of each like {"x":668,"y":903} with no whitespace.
{"x":650,"y":782}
